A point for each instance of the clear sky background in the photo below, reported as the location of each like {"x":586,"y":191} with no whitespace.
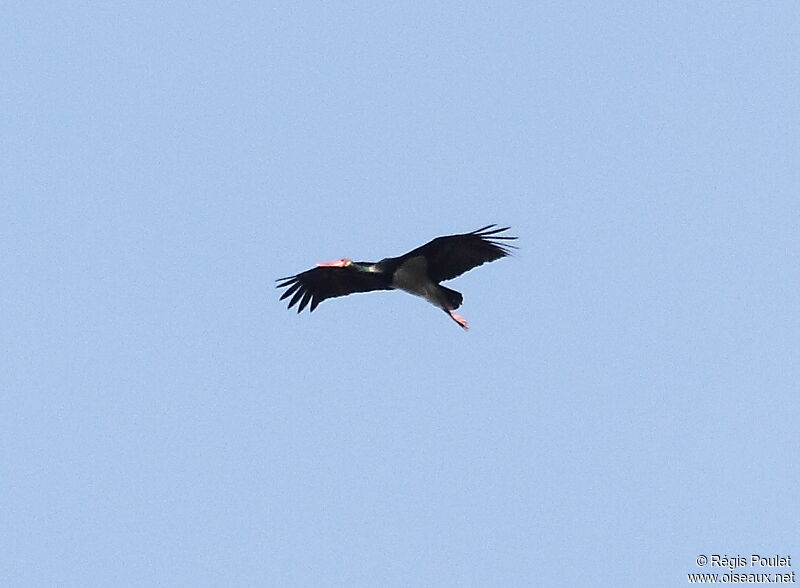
{"x":627,"y":396}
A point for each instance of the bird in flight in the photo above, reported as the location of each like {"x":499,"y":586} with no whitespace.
{"x":418,"y":272}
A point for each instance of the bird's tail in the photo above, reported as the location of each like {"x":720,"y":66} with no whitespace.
{"x":453,"y":298}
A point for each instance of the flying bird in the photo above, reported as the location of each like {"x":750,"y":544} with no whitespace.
{"x":418,"y":272}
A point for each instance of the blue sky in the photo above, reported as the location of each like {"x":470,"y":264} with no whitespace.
{"x":627,"y":396}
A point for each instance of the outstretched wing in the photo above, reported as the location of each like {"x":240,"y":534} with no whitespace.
{"x":451,"y":256}
{"x":317,"y":284}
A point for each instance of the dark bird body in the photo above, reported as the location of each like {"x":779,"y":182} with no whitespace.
{"x":417,"y":272}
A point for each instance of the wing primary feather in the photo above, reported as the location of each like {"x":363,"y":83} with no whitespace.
{"x":291,"y":290}
{"x":305,"y":301}
{"x":298,"y":295}
{"x":484,"y":233}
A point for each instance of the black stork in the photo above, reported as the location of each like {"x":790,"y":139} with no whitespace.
{"x":417,"y":272}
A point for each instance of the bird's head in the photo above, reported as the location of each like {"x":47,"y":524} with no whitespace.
{"x":344,"y":262}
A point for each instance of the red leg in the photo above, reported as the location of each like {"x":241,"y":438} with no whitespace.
{"x":462,"y":322}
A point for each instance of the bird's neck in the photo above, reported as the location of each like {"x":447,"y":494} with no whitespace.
{"x":368,"y":267}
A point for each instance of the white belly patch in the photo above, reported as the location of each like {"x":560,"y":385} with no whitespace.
{"x":412,"y":277}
